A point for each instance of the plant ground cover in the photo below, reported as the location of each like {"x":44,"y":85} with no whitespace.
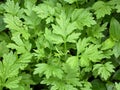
{"x":60,"y":45}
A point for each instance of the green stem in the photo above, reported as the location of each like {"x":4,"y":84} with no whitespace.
{"x":65,"y":50}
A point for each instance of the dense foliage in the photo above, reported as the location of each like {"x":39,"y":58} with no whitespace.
{"x":60,"y":45}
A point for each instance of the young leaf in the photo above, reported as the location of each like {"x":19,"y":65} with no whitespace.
{"x":82,"y":44}
{"x":82,"y":18}
{"x":73,"y":62}
{"x":48,"y":70}
{"x":16,"y":26}
{"x":53,"y":38}
{"x":45,"y":10}
{"x":73,"y":37}
{"x":63,"y":27}
{"x":11,"y":7}
{"x":20,"y":45}
{"x":101,"y":9}
{"x":9,"y":71}
{"x":90,"y":54}
{"x":104,"y":70}
{"x":12,"y":82}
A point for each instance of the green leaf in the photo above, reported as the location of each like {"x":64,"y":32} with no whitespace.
{"x":82,"y":17}
{"x":101,"y":9}
{"x":63,"y":27}
{"x":3,"y":48}
{"x":91,"y":53}
{"x":20,"y":45}
{"x":116,"y":3}
{"x":4,"y":37}
{"x":98,"y":85}
{"x":116,"y":75}
{"x":11,"y":8}
{"x":118,"y":8}
{"x":110,"y":86}
{"x":45,"y":10}
{"x":16,"y":26}
{"x":82,"y":44}
{"x":73,"y":62}
{"x":97,"y":30}
{"x":70,"y":1}
{"x":104,"y":70}
{"x":2,"y":24}
{"x":9,"y":71}
{"x":48,"y":70}
{"x":86,"y":85}
{"x":114,"y":29}
{"x":53,"y":38}
{"x":25,"y":59}
{"x":11,"y":68}
{"x":116,"y":49}
{"x":117,"y":86}
{"x":57,"y":84}
{"x":73,"y":37}
{"x":108,"y":44}
{"x":12,"y":82}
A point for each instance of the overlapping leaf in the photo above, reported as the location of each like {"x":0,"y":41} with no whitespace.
{"x":101,"y":9}
{"x":82,"y":17}
{"x":9,"y":71}
{"x":48,"y":70}
{"x":104,"y":70}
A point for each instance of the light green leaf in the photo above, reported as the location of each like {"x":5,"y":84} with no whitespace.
{"x":118,"y":8}
{"x":63,"y":27}
{"x":12,"y":82}
{"x":11,"y":68}
{"x":85,"y":85}
{"x":53,"y":38}
{"x":82,"y":44}
{"x":82,"y":17}
{"x":3,"y":48}
{"x":70,"y":1}
{"x":21,"y":46}
{"x":16,"y":26}
{"x":91,"y":54}
{"x":44,"y":10}
{"x":117,"y":86}
{"x":72,"y":61}
{"x":48,"y":70}
{"x":101,"y":9}
{"x":104,"y":70}
{"x":73,"y":37}
{"x":108,"y":44}
{"x":12,"y":8}
{"x":25,"y":59}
